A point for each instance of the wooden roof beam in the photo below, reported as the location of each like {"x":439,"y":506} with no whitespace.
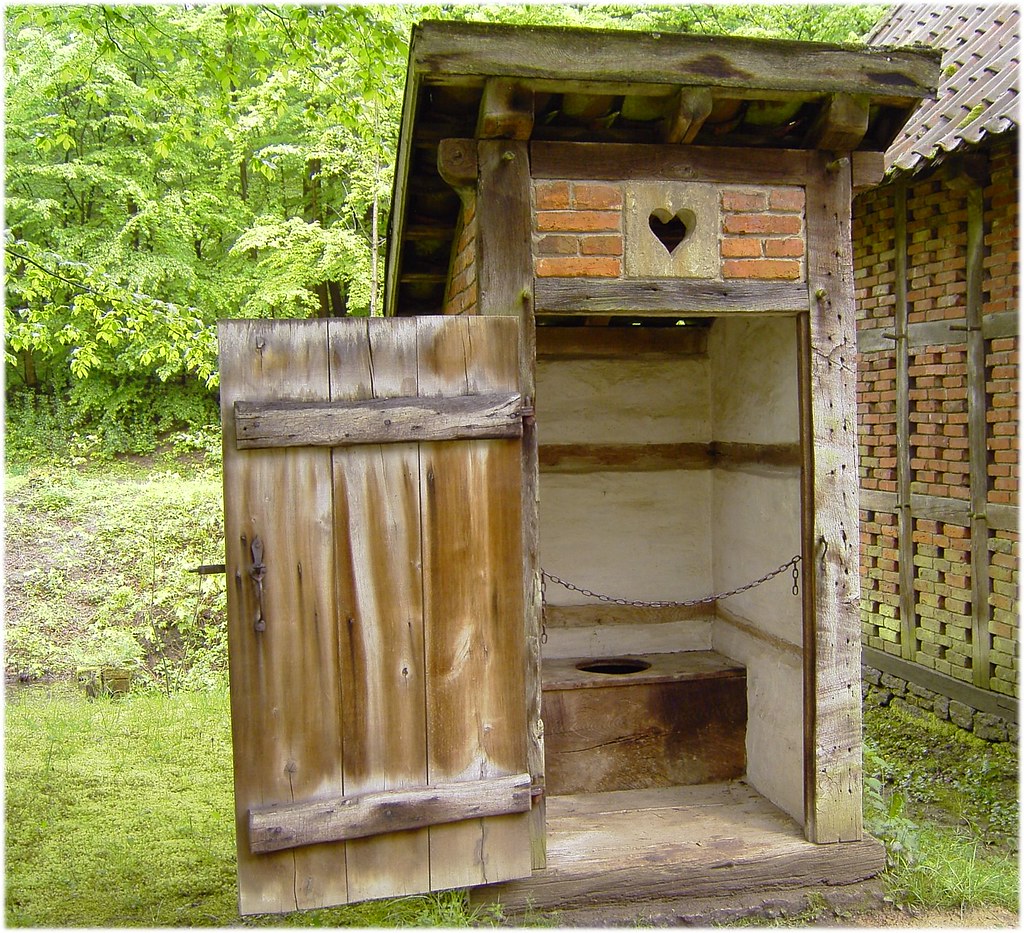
{"x":463,"y":51}
{"x":841,"y":124}
{"x":506,"y":110}
{"x":686,"y":114}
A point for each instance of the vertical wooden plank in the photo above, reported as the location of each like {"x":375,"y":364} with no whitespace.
{"x":380,"y":609}
{"x":505,"y":269}
{"x":504,"y":225}
{"x":808,"y":551}
{"x":977,"y":436}
{"x":904,"y":474}
{"x":833,"y":765}
{"x":473,"y":601}
{"x":285,"y":689}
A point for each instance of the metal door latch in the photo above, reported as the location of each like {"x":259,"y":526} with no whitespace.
{"x":256,"y":573}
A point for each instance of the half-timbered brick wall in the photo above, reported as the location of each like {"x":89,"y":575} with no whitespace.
{"x":580,"y":229}
{"x":917,"y":371}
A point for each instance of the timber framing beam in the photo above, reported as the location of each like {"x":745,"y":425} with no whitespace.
{"x":689,"y":109}
{"x":647,"y":458}
{"x":999,"y":516}
{"x":287,"y":826}
{"x":444,"y":50}
{"x":984,"y":700}
{"x":670,"y":297}
{"x":841,"y":125}
{"x":505,"y":275}
{"x":828,"y":346}
{"x":629,"y":161}
{"x":608,"y":343}
{"x":939,"y":333}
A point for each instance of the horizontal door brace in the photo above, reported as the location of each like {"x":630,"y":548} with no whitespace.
{"x":376,"y":421}
{"x":286,"y":826}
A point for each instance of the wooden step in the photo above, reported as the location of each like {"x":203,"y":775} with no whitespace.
{"x":679,"y":719}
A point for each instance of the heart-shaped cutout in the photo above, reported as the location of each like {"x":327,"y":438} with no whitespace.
{"x":671,"y":228}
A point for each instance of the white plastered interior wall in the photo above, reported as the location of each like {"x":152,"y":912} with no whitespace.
{"x":756,"y":527}
{"x":681,"y":534}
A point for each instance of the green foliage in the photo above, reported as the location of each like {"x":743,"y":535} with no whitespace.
{"x":109,"y":580}
{"x":169,"y":166}
{"x":944,"y":803}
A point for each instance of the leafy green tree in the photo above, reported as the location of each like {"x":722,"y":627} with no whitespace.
{"x":168,"y":166}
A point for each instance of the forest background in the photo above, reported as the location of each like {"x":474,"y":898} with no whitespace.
{"x":169,"y":166}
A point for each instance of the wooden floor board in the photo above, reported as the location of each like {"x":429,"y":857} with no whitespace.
{"x":704,"y":841}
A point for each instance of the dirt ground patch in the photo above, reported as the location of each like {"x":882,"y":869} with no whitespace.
{"x":980,"y":917}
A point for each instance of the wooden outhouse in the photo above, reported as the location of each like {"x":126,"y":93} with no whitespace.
{"x":547,"y":582}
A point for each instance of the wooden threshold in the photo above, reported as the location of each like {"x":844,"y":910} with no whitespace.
{"x":708,"y":841}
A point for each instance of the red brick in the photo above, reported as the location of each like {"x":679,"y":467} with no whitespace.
{"x":578,"y":221}
{"x":780,"y":224}
{"x":741,"y":247}
{"x":572,"y":266}
{"x":791,"y":247}
{"x":786,"y":199}
{"x":601,"y":245}
{"x":598,"y":197}
{"x":552,"y":195}
{"x":761,"y":269}
{"x":743,"y":200}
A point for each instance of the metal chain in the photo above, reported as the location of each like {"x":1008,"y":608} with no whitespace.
{"x":668,"y":603}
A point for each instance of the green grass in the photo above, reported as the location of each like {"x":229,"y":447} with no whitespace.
{"x":120,"y":813}
{"x":97,"y":572}
{"x":946,"y":805}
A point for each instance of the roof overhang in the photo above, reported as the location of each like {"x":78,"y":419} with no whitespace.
{"x":481,"y":80}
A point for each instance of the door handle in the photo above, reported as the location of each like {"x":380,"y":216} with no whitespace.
{"x":256,"y":573}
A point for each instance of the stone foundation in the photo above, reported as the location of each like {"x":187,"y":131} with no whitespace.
{"x":881,"y":689}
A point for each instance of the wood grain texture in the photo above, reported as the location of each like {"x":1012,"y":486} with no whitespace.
{"x":474,"y":618}
{"x":904,"y":477}
{"x":379,"y":421}
{"x":833,"y":753}
{"x":365,"y":679}
{"x":675,"y":297}
{"x":645,"y":735}
{"x":713,"y":840}
{"x":633,"y":458}
{"x":841,"y":124}
{"x":505,"y":270}
{"x":285,"y":685}
{"x":288,"y":826}
{"x":380,"y":603}
{"x":609,"y":343}
{"x":642,"y":162}
{"x":478,"y":49}
{"x":506,"y":110}
{"x":977,"y":432}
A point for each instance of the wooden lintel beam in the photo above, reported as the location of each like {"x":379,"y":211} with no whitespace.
{"x":686,"y":115}
{"x":376,"y":421}
{"x":506,"y":110}
{"x":841,"y":124}
{"x":677,"y":297}
{"x":457,"y":162}
{"x":288,"y":826}
{"x":664,"y":162}
{"x":590,"y":343}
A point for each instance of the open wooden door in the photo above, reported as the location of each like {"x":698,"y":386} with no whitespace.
{"x":373,"y":520}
